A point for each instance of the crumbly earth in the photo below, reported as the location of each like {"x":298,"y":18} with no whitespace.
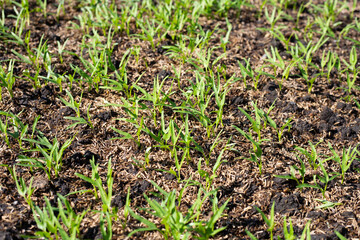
{"x":324,"y":114}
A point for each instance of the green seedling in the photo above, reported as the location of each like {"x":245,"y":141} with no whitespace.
{"x":352,"y":12}
{"x":9,"y":36}
{"x":52,"y":154}
{"x":275,"y":60}
{"x":220,"y":91}
{"x":2,"y":20}
{"x":306,"y":232}
{"x":327,"y":26}
{"x":178,"y":164}
{"x":326,"y":204}
{"x":141,"y":127}
{"x":181,"y":50}
{"x":255,"y":152}
{"x":306,"y":52}
{"x":280,"y":131}
{"x":24,"y":190}
{"x":288,"y":234}
{"x":126,"y":209}
{"x":4,"y":126}
{"x":276,"y":14}
{"x":61,"y":49}
{"x":61,"y":7}
{"x":344,"y":161}
{"x":175,"y":224}
{"x":270,"y":222}
{"x":272,"y":123}
{"x":280,"y":36}
{"x":106,"y":231}
{"x":127,"y":135}
{"x":351,"y":65}
{"x":43,"y":5}
{"x":334,"y":61}
{"x":96,"y":69}
{"x":311,"y":157}
{"x":201,"y":115}
{"x":357,"y":104}
{"x":325,"y":59}
{"x":140,"y":164}
{"x":351,"y":84}
{"x":206,"y":229}
{"x":210,"y":178}
{"x":186,"y":139}
{"x":256,"y":124}
{"x":95,"y":180}
{"x":293,"y":169}
{"x":340,"y":236}
{"x":34,"y":58}
{"x":15,"y":128}
{"x":225,"y":40}
{"x":125,"y":18}
{"x":345,"y":31}
{"x":55,"y":78}
{"x":135,"y":51}
{"x":72,"y":103}
{"x":7,"y":79}
{"x":169,"y":133}
{"x":80,"y":120}
{"x":221,"y":7}
{"x":163,"y":11}
{"x":356,"y":42}
{"x":213,"y":146}
{"x":132,"y":109}
{"x":102,"y":15}
{"x":203,"y":63}
{"x":150,"y":29}
{"x":22,"y":18}
{"x":157,"y":97}
{"x":246,"y":71}
{"x":325,"y":179}
{"x":310,"y":80}
{"x":51,"y":221}
{"x":121,"y":83}
{"x":329,"y":9}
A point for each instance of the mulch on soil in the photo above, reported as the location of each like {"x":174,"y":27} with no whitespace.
{"x":323,"y":114}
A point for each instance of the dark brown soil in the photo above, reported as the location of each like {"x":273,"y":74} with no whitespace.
{"x":324,"y":114}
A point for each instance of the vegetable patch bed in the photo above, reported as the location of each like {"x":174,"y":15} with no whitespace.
{"x":179,"y":119}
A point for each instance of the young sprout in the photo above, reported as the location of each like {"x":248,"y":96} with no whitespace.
{"x":72,"y":103}
{"x":176,"y":225}
{"x":24,"y":190}
{"x":61,"y":222}
{"x":293,"y":169}
{"x":276,"y":14}
{"x":7,"y":79}
{"x":246,"y":71}
{"x":312,"y":156}
{"x":52,"y":154}
{"x":325,"y":179}
{"x":255,"y":152}
{"x":225,"y":40}
{"x":61,"y":49}
{"x":344,"y":161}
{"x":270,"y":222}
